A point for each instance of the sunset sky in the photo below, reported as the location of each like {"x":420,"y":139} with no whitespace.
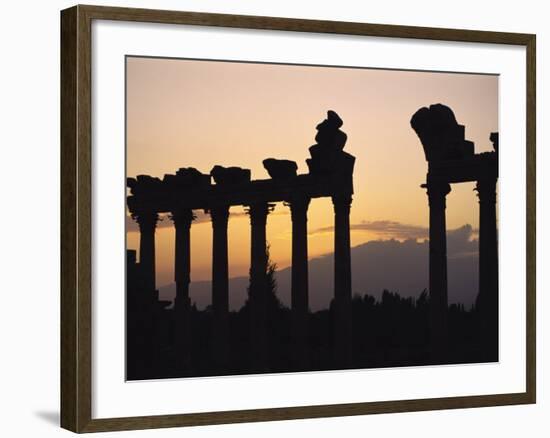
{"x":186,"y":113}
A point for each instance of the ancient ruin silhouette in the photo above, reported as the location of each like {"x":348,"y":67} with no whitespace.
{"x":451,"y":159}
{"x":264,"y":336}
{"x":330,"y":175}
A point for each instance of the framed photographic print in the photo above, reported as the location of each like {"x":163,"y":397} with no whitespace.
{"x":268,"y":218}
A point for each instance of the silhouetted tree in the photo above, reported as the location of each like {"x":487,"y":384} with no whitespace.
{"x":273,"y":301}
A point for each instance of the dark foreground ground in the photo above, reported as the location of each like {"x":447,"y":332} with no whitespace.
{"x":392,"y":332}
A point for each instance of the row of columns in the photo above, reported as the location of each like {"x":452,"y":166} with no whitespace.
{"x":486,"y":304}
{"x":487,"y":300}
{"x":258,"y":213}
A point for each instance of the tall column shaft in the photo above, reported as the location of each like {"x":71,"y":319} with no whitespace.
{"x":182,"y":266}
{"x":487,"y":299}
{"x":147,"y":321}
{"x":147,"y":222}
{"x":220,"y":286}
{"x":182,"y":259}
{"x":258,"y":286}
{"x":437,"y":193}
{"x":342,"y":282}
{"x":299,"y":285}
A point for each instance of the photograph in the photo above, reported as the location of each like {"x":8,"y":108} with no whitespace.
{"x":285,"y":218}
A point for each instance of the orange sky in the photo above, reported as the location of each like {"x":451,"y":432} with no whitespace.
{"x":183,"y":113}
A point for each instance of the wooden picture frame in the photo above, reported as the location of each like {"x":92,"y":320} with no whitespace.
{"x":76,"y":218}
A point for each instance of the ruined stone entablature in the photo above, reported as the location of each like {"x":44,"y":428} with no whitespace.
{"x":330,"y":173}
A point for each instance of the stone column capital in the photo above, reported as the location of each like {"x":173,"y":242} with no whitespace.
{"x":219,"y":214}
{"x":437,"y":192}
{"x":258,"y":212}
{"x":298,"y":207}
{"x":147,"y":220}
{"x":182,"y":217}
{"x":486,"y":190}
{"x":342,"y":203}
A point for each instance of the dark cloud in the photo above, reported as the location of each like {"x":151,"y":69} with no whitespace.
{"x":384,"y":229}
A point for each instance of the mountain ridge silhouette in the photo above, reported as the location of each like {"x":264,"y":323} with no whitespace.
{"x":398,"y":266}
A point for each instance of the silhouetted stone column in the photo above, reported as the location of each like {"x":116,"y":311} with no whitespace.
{"x":220,"y":286}
{"x":182,"y":266}
{"x":299,"y":286}
{"x":437,"y":192}
{"x":342,"y":282}
{"x":146,"y":319}
{"x":182,"y":260}
{"x":487,"y":299}
{"x":147,"y":222}
{"x":258,"y":285}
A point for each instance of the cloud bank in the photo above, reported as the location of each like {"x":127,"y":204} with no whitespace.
{"x":384,"y":229}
